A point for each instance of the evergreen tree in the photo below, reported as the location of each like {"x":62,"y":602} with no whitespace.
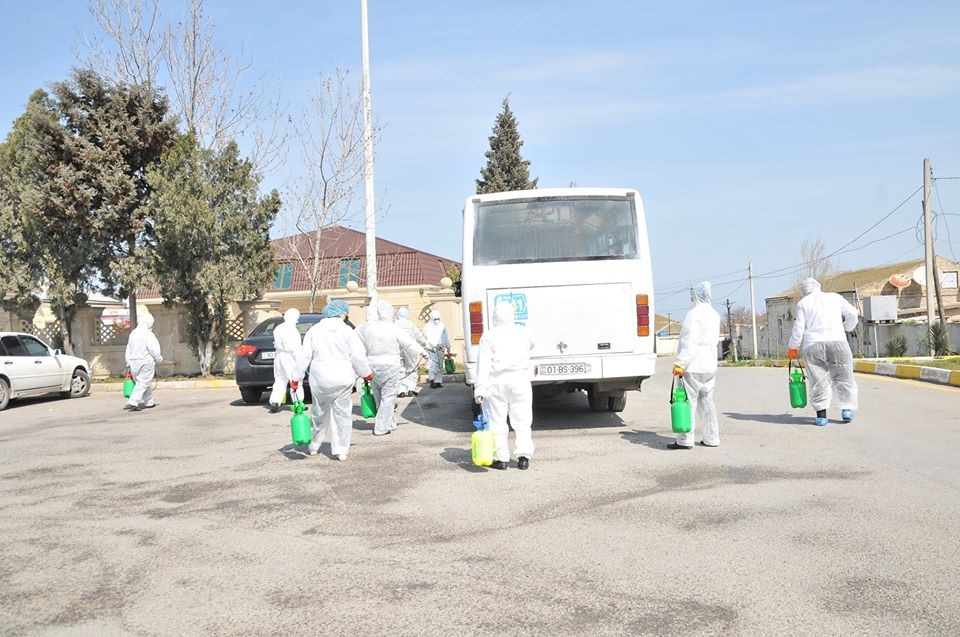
{"x":506,"y":169}
{"x":212,"y":230}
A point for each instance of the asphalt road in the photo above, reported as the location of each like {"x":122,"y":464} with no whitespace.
{"x":197,"y":517}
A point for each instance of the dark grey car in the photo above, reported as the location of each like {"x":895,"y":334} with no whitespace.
{"x":254,"y":368}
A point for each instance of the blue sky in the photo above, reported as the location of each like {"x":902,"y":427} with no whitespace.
{"x":747,"y":127}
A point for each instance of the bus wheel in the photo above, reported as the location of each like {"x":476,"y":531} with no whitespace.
{"x":597,"y":403}
{"x":618,"y":402}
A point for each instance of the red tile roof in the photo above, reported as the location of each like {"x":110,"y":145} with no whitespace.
{"x":396,"y":264}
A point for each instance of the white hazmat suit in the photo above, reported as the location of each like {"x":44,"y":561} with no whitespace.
{"x":287,"y":343}
{"x":697,"y":357}
{"x":438,"y":344}
{"x":408,"y":378}
{"x":386,"y":344}
{"x":142,"y":356}
{"x":819,"y":332}
{"x":335,"y":357}
{"x":503,"y":383}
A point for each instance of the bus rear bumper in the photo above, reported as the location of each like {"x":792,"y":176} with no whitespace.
{"x":624,"y":371}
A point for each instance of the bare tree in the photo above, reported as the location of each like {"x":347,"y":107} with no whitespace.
{"x":814,"y":261}
{"x":131,"y":47}
{"x":214,"y":96}
{"x":330,"y":131}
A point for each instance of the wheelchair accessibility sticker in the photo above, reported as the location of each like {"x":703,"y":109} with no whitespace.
{"x":519,"y":303}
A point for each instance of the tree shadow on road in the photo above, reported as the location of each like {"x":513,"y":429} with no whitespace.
{"x":648,"y":439}
{"x":462,"y":458}
{"x":774,"y":419}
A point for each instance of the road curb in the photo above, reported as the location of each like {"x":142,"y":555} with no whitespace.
{"x":171,"y":384}
{"x":910,"y":372}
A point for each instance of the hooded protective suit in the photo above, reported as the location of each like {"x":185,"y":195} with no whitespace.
{"x":335,"y":357}
{"x":287,"y":343}
{"x":503,"y":382}
{"x":819,"y":330}
{"x":438,"y":344}
{"x":697,"y":356}
{"x":142,"y":356}
{"x":385,"y":344}
{"x":408,"y":378}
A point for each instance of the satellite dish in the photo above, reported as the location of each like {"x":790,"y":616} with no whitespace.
{"x":920,"y":275}
{"x":899,"y":281}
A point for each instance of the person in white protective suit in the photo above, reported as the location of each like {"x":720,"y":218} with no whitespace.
{"x":386,"y":344}
{"x":820,"y":334}
{"x":696,"y":364}
{"x":142,"y":356}
{"x":438,"y":346}
{"x":335,"y":356}
{"x":503,"y":385}
{"x":408,"y":378}
{"x":287,"y":342}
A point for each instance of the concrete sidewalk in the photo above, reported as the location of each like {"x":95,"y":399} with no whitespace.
{"x":897,"y":370}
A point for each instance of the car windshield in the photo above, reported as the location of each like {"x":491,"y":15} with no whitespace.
{"x":305,"y":323}
{"x":555,"y":229}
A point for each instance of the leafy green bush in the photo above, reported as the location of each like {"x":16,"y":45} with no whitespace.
{"x":897,"y":346}
{"x":940,"y":340}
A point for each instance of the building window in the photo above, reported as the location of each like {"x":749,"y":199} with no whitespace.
{"x":284,"y":277}
{"x":349,"y":271}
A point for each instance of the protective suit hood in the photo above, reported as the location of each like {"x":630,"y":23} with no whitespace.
{"x":503,"y":314}
{"x":703,"y":292}
{"x":384,"y":311}
{"x":146,"y":322}
{"x":809,"y":286}
{"x":291,"y":316}
{"x":434,"y":315}
{"x":403,"y":313}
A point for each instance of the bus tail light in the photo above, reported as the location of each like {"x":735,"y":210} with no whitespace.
{"x":643,"y":315}
{"x":476,"y":322}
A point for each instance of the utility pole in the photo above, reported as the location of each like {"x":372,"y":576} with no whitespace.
{"x":753,"y":309}
{"x":733,"y":345}
{"x":928,"y":251}
{"x":368,"y":161}
{"x":668,"y":323}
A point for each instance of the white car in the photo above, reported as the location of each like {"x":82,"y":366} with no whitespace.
{"x":29,"y":367}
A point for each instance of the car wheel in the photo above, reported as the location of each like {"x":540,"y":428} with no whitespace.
{"x":251,"y":394}
{"x":79,"y":385}
{"x":4,"y":393}
{"x":618,"y":403}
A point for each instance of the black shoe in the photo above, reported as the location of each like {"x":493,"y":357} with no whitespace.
{"x":274,"y":408}
{"x":499,"y":464}
{"x":433,"y":385}
{"x":439,"y":385}
{"x":523,"y":463}
{"x":674,"y":445}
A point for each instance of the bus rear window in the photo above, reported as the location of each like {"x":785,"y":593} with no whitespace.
{"x":555,"y":229}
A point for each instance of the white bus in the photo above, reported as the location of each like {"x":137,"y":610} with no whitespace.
{"x":575,"y":264}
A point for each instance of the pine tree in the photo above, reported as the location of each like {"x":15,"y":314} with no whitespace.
{"x":213,"y":236}
{"x":506,"y":169}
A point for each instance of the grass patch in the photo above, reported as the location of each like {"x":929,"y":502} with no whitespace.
{"x":941,"y":363}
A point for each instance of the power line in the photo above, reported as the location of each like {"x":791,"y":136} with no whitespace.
{"x":945,"y":223}
{"x":797,"y":268}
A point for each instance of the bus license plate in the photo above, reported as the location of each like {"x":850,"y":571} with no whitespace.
{"x":564,"y":369}
{"x":267,"y":356}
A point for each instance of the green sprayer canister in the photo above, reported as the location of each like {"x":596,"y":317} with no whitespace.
{"x":368,"y":404}
{"x":128,"y":385}
{"x":679,"y":407}
{"x":449,"y":367}
{"x":482,"y":444}
{"x":798,"y":385}
{"x":300,"y":424}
